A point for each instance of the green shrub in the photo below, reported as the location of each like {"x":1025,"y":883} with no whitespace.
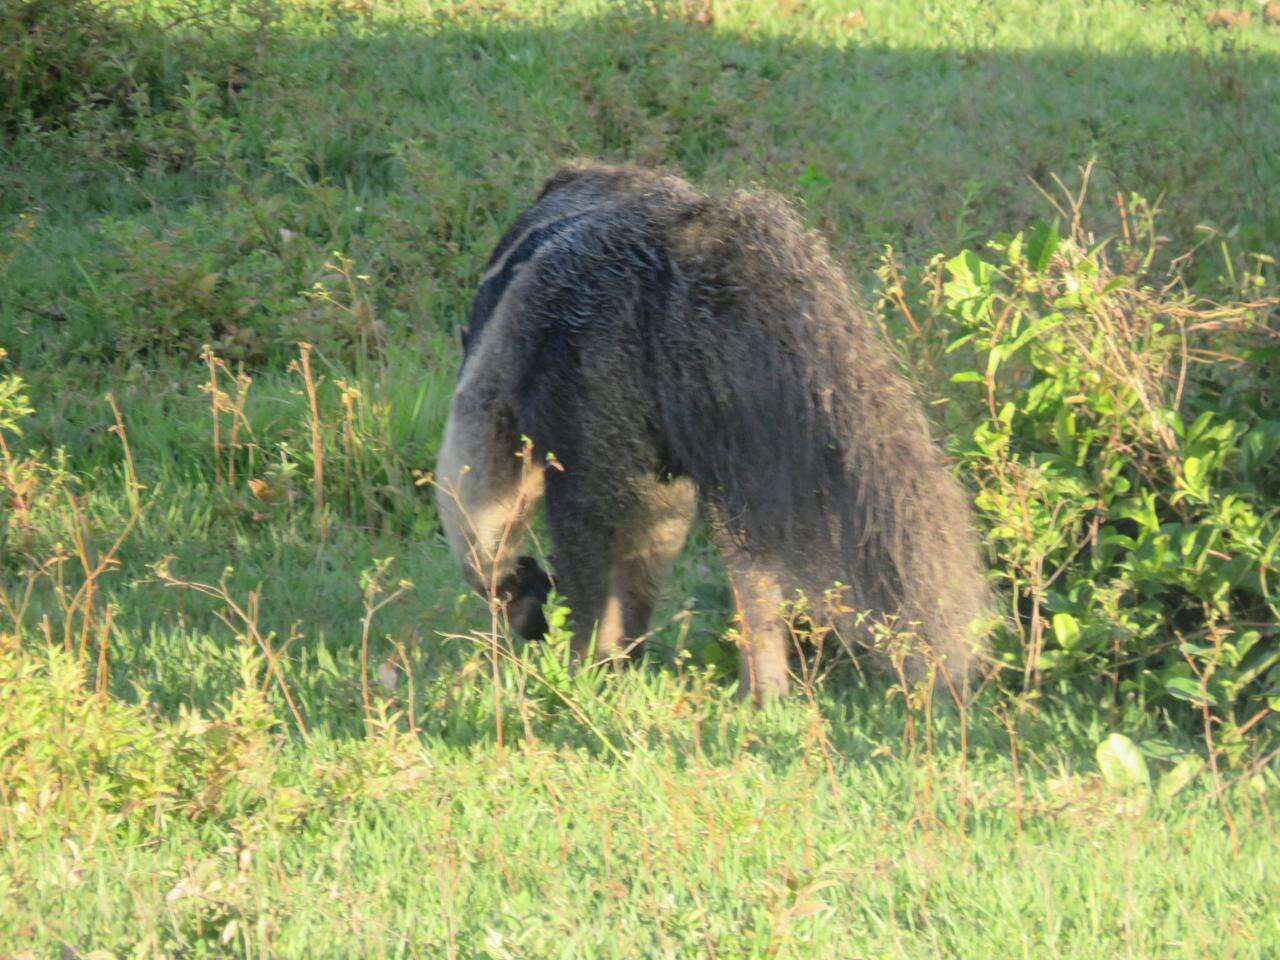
{"x":72,"y":754}
{"x":63,"y":60}
{"x":53,"y":51}
{"x":1122,"y":433}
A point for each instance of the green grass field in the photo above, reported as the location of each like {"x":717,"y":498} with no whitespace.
{"x":246,"y":714}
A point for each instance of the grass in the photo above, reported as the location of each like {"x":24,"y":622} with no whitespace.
{"x":337,"y":172}
{"x":704,"y":831}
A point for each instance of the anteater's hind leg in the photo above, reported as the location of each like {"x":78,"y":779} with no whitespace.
{"x":758,"y":596}
{"x":613,"y":554}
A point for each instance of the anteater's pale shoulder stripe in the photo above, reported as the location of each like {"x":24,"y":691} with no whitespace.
{"x":511,"y":259}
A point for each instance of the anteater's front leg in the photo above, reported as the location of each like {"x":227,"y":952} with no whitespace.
{"x":615,"y":539}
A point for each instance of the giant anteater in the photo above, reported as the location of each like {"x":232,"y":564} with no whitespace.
{"x":673,"y":350}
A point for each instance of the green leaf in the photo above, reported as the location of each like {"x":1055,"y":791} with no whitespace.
{"x":1198,"y":426}
{"x":993,"y":361}
{"x":970,"y":278}
{"x":1066,"y":630}
{"x":1184,"y":772}
{"x":1064,"y":431}
{"x":324,"y":660}
{"x":1036,"y":329}
{"x":1041,"y":246}
{"x":1257,"y":669}
{"x":1184,"y":688}
{"x":1121,"y":763}
{"x":1261,"y":444}
{"x":1195,"y":470}
{"x":1014,"y":251}
{"x":967,"y":376}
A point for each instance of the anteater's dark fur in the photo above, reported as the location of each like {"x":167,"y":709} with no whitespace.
{"x":666,"y":347}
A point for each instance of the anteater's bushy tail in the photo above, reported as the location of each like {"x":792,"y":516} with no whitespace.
{"x":797,"y":426}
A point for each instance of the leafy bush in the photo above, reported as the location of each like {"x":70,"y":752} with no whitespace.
{"x":61,"y":58}
{"x":1122,"y":432}
{"x":73,"y":754}
{"x":51,"y":51}
{"x":28,"y":484}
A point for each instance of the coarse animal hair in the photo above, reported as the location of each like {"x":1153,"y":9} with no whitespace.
{"x":676,"y":351}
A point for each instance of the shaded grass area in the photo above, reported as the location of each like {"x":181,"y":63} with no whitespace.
{"x":408,"y":136}
{"x":337,"y":173}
